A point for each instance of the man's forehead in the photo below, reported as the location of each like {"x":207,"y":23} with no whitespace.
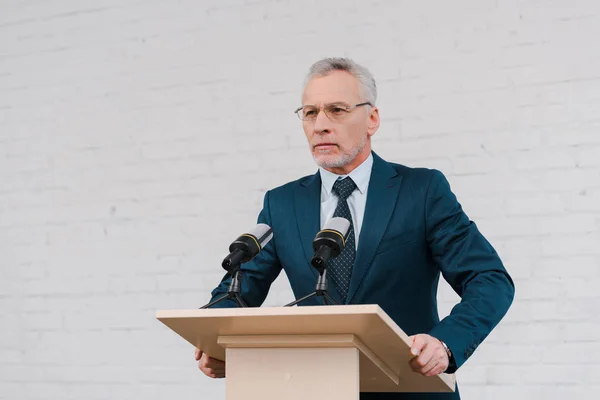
{"x":328,"y":96}
{"x":336,"y":86}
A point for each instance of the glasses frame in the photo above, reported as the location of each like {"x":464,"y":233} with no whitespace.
{"x":349,"y":109}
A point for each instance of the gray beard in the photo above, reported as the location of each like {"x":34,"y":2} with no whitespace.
{"x":344,"y":158}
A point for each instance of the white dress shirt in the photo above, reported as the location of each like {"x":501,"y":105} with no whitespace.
{"x":357,"y":201}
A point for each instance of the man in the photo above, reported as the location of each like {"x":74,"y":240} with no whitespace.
{"x":407,"y":227}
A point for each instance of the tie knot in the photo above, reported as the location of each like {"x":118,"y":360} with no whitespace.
{"x":344,"y":188}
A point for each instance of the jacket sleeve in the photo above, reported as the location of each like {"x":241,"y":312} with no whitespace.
{"x":257,"y":275}
{"x":471,"y":266}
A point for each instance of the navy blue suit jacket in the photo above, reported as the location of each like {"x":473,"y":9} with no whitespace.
{"x":413,"y":230}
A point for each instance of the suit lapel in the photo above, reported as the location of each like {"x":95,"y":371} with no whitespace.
{"x":382,"y":196}
{"x":307,"y":200}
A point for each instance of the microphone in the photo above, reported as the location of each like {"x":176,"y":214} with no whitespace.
{"x":329,"y":242}
{"x":247,"y":246}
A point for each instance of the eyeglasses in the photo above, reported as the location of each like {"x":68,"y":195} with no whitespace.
{"x":334,"y":111}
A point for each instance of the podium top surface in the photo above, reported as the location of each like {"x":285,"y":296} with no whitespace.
{"x":257,"y":312}
{"x":201,"y":327}
{"x":368,"y":322}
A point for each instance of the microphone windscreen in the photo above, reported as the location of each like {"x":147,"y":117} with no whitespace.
{"x":342,"y":225}
{"x":263,"y":234}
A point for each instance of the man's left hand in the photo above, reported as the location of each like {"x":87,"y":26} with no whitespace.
{"x":430,"y":357}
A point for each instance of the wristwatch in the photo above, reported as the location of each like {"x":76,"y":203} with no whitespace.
{"x":447,"y":349}
{"x":451,"y":363}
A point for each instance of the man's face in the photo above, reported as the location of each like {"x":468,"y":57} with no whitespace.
{"x":342,"y":143}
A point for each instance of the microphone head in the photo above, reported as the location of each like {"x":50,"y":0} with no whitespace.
{"x":330,"y":241}
{"x":247,"y":246}
{"x":333,"y":235}
{"x":263,"y":234}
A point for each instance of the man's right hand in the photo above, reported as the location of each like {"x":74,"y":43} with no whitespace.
{"x":211,"y":367}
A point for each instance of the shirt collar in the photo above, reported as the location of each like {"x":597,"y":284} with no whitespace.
{"x":360,"y":175}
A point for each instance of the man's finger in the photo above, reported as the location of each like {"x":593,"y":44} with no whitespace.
{"x":213,"y":372}
{"x":438,"y":369}
{"x":433,"y":363}
{"x":204,"y":361}
{"x":426,"y":360}
{"x":214,"y":366}
{"x":198,"y":354}
{"x":429,"y":367}
{"x":427,"y":353}
{"x":419,"y":363}
{"x":212,"y":363}
{"x":419,"y":342}
{"x":435,"y":371}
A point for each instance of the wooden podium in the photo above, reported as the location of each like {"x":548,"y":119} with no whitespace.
{"x":330,"y":352}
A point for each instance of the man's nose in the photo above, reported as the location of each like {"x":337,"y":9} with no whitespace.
{"x":322,"y":123}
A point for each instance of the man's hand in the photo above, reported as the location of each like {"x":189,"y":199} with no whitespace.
{"x":430,"y":357}
{"x":211,"y":367}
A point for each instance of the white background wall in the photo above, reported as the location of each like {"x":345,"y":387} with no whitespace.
{"x":137,"y":139}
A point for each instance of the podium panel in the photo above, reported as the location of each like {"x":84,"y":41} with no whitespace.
{"x":292,"y":373}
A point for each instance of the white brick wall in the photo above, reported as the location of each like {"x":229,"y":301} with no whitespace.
{"x":125,"y":127}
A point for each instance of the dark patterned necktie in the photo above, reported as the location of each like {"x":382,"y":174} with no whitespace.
{"x":340,"y":268}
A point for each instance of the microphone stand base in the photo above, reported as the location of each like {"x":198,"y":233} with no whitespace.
{"x":233,"y":293}
{"x":320,"y":290}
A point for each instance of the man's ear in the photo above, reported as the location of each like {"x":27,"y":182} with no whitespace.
{"x":373,"y":122}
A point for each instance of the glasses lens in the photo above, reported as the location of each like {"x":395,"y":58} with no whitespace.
{"x":336,"y":111}
{"x":308,"y":113}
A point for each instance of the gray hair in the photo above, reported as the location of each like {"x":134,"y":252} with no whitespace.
{"x":367,"y":86}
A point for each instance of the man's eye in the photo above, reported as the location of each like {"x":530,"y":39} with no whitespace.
{"x":309,"y":112}
{"x":337,"y":110}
